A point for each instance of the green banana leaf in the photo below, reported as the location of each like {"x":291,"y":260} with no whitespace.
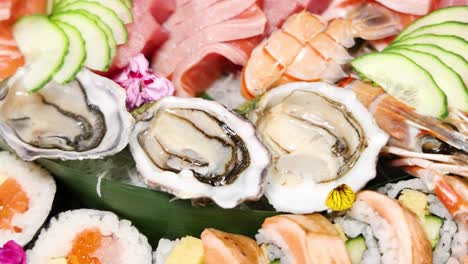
{"x":154,"y":213}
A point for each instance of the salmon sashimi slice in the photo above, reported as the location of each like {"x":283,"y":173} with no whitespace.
{"x":304,"y":239}
{"x":224,"y":248}
{"x":410,"y":243}
{"x":13,"y":200}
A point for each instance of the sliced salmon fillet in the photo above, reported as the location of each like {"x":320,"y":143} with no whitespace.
{"x":224,"y":248}
{"x":309,"y":238}
{"x":10,"y":56}
{"x":13,"y":200}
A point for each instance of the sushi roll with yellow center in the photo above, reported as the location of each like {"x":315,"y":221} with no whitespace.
{"x":26,"y":195}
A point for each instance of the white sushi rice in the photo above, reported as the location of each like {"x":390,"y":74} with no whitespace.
{"x":57,"y":240}
{"x":381,"y":230}
{"x":452,"y":241}
{"x":165,"y":247}
{"x":276,"y":247}
{"x":40,"y":188}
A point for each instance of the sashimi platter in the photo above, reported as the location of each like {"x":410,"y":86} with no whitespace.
{"x":233,"y":131}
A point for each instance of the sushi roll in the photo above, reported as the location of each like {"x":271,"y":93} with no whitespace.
{"x":301,"y":239}
{"x":378,"y":229}
{"x":214,"y":247}
{"x":26,"y":195}
{"x":90,"y":236}
{"x":448,"y":239}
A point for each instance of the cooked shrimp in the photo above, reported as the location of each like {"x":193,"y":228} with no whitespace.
{"x":307,"y":48}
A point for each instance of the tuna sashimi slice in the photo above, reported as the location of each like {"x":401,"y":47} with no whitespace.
{"x":248,"y":24}
{"x":162,"y":9}
{"x":197,"y":72}
{"x":145,"y":34}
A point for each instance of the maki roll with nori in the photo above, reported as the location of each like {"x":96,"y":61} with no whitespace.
{"x":90,"y":236}
{"x":26,"y":195}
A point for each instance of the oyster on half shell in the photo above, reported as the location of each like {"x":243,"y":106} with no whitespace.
{"x":320,"y":137}
{"x":85,"y":119}
{"x":195,"y":148}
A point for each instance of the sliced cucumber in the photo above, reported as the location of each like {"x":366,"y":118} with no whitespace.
{"x":108,"y":16}
{"x":76,"y":55}
{"x":356,"y":248}
{"x":44,"y":46}
{"x":432,"y":224}
{"x":128,"y":3}
{"x":455,"y":61}
{"x":97,"y":49}
{"x":447,"y":79}
{"x":275,"y":262}
{"x":451,"y":43}
{"x":404,"y":80}
{"x":118,"y":6}
{"x":456,"y":13}
{"x":110,"y":37}
{"x":451,"y":28}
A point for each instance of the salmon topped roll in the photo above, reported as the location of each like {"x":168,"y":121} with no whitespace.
{"x":378,"y":229}
{"x":302,"y":239}
{"x":26,"y":195}
{"x":449,"y":239}
{"x":90,"y":237}
{"x":214,"y":247}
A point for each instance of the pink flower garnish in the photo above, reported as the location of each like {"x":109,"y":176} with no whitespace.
{"x":12,"y":253}
{"x":142,"y":85}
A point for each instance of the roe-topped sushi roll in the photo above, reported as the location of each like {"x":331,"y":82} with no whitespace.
{"x":90,"y":236}
{"x":26,"y":195}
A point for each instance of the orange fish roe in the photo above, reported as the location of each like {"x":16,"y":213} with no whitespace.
{"x":85,"y":244}
{"x":13,"y":200}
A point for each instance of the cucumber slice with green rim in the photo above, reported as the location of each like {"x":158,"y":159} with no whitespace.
{"x":108,"y":16}
{"x":451,"y":43}
{"x":455,"y":13}
{"x":450,"y":28}
{"x":447,"y":79}
{"x":455,"y":61}
{"x":110,"y":37}
{"x":404,"y":80}
{"x":44,"y":46}
{"x":76,"y":56}
{"x":118,"y":6}
{"x":432,"y":224}
{"x":97,"y":49}
{"x":128,"y":3}
{"x":356,"y":248}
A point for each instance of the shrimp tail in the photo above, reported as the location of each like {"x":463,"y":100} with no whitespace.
{"x":372,"y":21}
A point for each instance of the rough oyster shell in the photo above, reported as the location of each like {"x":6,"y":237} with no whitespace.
{"x":85,"y":119}
{"x":320,"y":137}
{"x":195,"y":148}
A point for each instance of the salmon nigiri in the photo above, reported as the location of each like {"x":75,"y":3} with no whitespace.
{"x":302,"y":239}
{"x":225,"y":248}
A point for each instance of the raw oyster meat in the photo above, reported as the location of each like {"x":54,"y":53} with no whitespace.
{"x":320,"y":137}
{"x":85,"y":119}
{"x":195,"y":148}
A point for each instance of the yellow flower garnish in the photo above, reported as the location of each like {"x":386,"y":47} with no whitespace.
{"x":341,"y":198}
